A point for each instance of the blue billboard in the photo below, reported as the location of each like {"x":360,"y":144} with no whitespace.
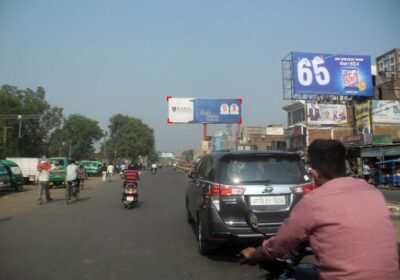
{"x":331,"y":74}
{"x":199,"y":110}
{"x":217,"y":110}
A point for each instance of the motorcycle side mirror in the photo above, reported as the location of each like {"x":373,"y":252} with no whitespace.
{"x":251,"y":220}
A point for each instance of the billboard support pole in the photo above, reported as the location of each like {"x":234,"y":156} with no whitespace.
{"x":204,"y":132}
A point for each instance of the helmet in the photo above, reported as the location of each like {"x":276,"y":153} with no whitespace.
{"x":131,"y":166}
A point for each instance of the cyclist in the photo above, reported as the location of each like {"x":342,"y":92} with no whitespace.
{"x":72,"y":174}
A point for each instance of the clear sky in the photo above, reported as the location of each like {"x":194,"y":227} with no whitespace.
{"x":99,"y":58}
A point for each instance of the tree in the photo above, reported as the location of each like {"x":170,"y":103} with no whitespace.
{"x":34,"y":131}
{"x":76,"y":137}
{"x":129,"y":138}
{"x":188,"y":155}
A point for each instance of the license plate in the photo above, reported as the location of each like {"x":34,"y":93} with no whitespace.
{"x":268,"y":200}
{"x":129,"y":198}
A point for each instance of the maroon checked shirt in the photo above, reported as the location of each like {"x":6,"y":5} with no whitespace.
{"x":350,"y":230}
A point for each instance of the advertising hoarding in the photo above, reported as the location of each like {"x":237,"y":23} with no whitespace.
{"x":326,"y":114}
{"x":386,"y":111}
{"x":330,"y":74}
{"x":363,"y":117}
{"x":199,"y":110}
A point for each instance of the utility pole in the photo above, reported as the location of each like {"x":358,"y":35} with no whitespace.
{"x":105,"y":145}
{"x":5,"y":138}
{"x":70,"y":150}
{"x":20,"y":118}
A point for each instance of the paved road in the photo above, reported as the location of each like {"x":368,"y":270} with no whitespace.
{"x":97,"y":238}
{"x":392,"y":195}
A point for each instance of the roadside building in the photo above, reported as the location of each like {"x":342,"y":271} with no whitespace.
{"x":308,"y":121}
{"x":262,"y":138}
{"x":388,"y":76}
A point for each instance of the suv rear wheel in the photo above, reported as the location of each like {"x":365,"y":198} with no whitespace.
{"x":204,"y":247}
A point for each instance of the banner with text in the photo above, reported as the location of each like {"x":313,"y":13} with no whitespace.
{"x":385,"y":111}
{"x":330,"y":74}
{"x":326,"y":114}
{"x":199,"y":110}
{"x":363,"y":117}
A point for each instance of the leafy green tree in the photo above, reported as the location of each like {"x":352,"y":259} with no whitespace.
{"x":76,"y":137}
{"x":129,"y":138}
{"x":38,"y":121}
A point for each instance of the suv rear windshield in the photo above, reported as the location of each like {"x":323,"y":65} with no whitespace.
{"x":254,"y":169}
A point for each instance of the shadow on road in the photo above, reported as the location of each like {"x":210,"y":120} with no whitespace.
{"x":6,"y":219}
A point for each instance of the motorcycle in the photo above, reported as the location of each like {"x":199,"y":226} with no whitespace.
{"x":130,"y":195}
{"x":153,"y":171}
{"x":174,"y":167}
{"x":289,"y":267}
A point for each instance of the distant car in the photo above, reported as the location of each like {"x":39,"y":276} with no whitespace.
{"x":92,"y":167}
{"x":224,"y":185}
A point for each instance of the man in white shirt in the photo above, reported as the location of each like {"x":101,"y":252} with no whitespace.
{"x":366,"y":171}
{"x":42,"y":178}
{"x":72,"y":172}
{"x":110,"y":171}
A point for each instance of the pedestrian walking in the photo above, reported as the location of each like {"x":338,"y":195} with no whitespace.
{"x":366,"y":171}
{"x":104,"y":172}
{"x":42,"y":178}
{"x":81,"y":176}
{"x":110,"y":171}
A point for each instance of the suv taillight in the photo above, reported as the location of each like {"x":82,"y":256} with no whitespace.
{"x":217,"y":190}
{"x":303,"y":189}
{"x":226,"y":190}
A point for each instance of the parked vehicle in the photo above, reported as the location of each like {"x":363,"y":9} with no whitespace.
{"x":28,"y":166}
{"x":387,"y":173}
{"x":289,"y":267}
{"x":14,"y":173}
{"x":59,"y":169}
{"x":92,"y":167}
{"x":4,"y":179}
{"x":225,"y":184}
{"x":130,"y":195}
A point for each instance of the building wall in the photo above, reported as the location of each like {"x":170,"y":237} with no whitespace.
{"x":392,"y":129}
{"x":316,"y":133}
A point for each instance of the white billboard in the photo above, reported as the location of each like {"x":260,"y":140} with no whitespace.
{"x":326,"y":114}
{"x":385,"y":111}
{"x":180,"y":110}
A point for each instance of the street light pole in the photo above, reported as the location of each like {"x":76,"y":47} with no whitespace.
{"x":5,"y":138}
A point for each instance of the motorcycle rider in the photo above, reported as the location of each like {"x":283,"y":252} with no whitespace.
{"x":174,"y":166}
{"x":345,"y":219}
{"x":154,"y":168}
{"x":131,"y":176}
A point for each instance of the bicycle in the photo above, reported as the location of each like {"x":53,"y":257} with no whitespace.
{"x":72,"y":191}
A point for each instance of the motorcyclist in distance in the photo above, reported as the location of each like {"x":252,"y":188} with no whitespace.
{"x":154,"y":167}
{"x":345,"y":219}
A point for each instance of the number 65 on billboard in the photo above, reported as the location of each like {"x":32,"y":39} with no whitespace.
{"x":330,"y":74}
